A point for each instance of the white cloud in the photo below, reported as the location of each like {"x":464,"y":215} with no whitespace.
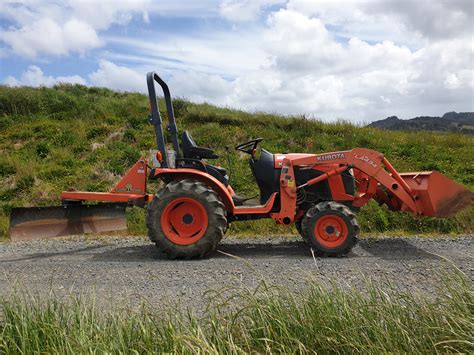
{"x":245,"y":10}
{"x":297,"y":64}
{"x":185,"y":8}
{"x":350,"y":18}
{"x":399,"y":21}
{"x":61,"y":27}
{"x":299,"y":43}
{"x":357,"y":60}
{"x":200,"y":87}
{"x":34,"y":76}
{"x":117,"y":77}
{"x":274,"y":92}
{"x":228,"y":54}
{"x":432,"y":19}
{"x":108,"y":12}
{"x":312,"y":71}
{"x":48,"y":37}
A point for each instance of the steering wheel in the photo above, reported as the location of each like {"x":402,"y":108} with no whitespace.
{"x":249,"y":147}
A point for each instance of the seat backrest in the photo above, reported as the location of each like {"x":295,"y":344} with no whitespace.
{"x":192,"y":151}
{"x":188,"y":142}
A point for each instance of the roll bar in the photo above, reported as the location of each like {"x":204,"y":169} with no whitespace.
{"x":155,"y":117}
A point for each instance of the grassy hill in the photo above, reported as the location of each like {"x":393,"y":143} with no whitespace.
{"x":75,"y":136}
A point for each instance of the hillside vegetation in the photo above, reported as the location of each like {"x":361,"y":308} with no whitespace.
{"x":75,"y":136}
{"x":462,"y":122}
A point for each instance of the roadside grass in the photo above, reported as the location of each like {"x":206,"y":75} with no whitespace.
{"x":75,"y":136}
{"x":324,"y":318}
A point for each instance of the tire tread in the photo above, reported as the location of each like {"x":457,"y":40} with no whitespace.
{"x":307,"y":223}
{"x":216,"y":214}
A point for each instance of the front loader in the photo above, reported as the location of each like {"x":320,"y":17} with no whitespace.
{"x":189,"y":215}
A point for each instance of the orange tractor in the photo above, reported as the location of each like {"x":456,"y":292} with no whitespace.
{"x":188,"y":217}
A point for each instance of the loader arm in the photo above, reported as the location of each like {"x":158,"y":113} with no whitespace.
{"x":428,"y":193}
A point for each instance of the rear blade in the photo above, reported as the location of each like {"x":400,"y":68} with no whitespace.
{"x":47,"y":222}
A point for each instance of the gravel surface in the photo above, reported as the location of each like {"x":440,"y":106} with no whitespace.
{"x":131,"y":269}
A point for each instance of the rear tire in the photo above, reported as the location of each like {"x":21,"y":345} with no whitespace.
{"x":186,"y":219}
{"x":330,"y":228}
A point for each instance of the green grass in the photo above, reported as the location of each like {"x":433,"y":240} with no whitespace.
{"x":75,"y":136}
{"x":324,"y":319}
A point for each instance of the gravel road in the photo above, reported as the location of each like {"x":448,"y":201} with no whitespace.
{"x":131,"y":269}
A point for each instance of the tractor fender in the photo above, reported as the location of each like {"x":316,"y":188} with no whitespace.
{"x":211,"y":181}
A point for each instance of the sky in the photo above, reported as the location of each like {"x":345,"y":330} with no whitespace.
{"x":354,"y":60}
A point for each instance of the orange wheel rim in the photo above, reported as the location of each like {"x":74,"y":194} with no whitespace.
{"x":184,"y":221}
{"x":330,"y":231}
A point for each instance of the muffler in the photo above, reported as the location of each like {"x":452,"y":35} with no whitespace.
{"x":27,"y":223}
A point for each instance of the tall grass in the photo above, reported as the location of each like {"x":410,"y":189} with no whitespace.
{"x":74,"y":136}
{"x":322,"y":319}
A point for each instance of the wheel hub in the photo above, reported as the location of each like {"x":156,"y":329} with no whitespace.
{"x":184,"y":221}
{"x":187,"y":218}
{"x":330,"y":230}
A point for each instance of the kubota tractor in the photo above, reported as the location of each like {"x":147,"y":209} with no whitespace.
{"x":188,"y":217}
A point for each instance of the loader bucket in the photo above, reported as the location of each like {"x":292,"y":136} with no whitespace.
{"x":438,"y":195}
{"x":47,"y":222}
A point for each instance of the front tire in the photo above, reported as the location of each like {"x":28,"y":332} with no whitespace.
{"x":299,"y":229}
{"x":186,"y":219}
{"x":330,"y":228}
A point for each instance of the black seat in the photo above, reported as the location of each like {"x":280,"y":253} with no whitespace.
{"x":266,"y":175}
{"x":192,"y":151}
